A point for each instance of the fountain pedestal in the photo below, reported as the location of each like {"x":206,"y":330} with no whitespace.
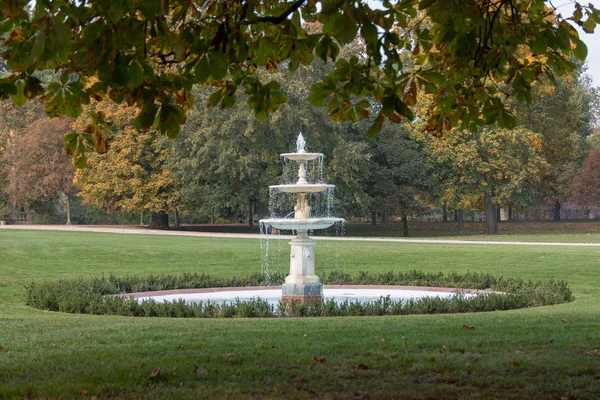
{"x":302,"y":284}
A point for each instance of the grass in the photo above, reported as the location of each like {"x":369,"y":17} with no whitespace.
{"x":546,"y":352}
{"x":585,"y":231}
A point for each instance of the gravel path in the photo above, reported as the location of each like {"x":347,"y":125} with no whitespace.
{"x":144,"y":231}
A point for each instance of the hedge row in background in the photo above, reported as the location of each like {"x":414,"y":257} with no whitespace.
{"x":92,"y":295}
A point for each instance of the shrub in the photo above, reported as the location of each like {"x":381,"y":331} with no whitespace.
{"x":95,"y":296}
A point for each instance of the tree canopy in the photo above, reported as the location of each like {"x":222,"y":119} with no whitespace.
{"x":469,"y":55}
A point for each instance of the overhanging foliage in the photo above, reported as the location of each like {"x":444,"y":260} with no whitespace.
{"x":466,"y":54}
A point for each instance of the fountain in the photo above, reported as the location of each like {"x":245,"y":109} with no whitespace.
{"x":302,"y":284}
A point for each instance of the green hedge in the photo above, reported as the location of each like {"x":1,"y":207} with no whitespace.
{"x":92,"y":295}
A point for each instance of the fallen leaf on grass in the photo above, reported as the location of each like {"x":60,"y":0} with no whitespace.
{"x":199,"y":371}
{"x":155,"y":373}
{"x":321,"y":360}
{"x":363,"y":366}
{"x":564,"y":320}
{"x":592,"y":353}
{"x":468,"y":326}
{"x":229,"y":355}
{"x":383,"y":339}
{"x":274,"y":363}
{"x":1,"y":347}
{"x":515,"y":363}
{"x":84,"y":392}
{"x":405,"y":343}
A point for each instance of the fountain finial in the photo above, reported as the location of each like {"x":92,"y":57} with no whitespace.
{"x":300,"y":144}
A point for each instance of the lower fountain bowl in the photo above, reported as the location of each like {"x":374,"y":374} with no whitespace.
{"x":301,"y":224}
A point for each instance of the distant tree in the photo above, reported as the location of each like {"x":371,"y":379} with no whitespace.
{"x":562,"y":113}
{"x":496,"y":164}
{"x":585,"y":187}
{"x":15,"y":120}
{"x":226,"y":159}
{"x":37,"y":166}
{"x":133,"y":176}
{"x":400,"y":181}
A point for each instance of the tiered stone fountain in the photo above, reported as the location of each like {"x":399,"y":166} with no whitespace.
{"x":302,"y":284}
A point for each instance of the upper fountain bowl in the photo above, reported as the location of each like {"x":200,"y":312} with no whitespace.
{"x":301,"y":157}
{"x":301,"y":225}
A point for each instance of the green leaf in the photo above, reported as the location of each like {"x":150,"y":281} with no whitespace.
{"x":580,"y":49}
{"x":327,"y":47}
{"x":38,"y":46}
{"x":6,"y":26}
{"x":376,"y":126}
{"x":423,"y":4}
{"x":577,"y":14}
{"x":319,"y":94}
{"x":202,"y":70}
{"x":539,"y":47}
{"x":342,"y":27}
{"x":136,"y":73}
{"x":402,"y":109}
{"x":218,"y":63}
{"x":507,"y":120}
{"x":369,"y":33}
{"x":7,"y":88}
{"x":215,"y":98}
{"x":146,"y":116}
{"x":589,"y":25}
{"x":19,"y":97}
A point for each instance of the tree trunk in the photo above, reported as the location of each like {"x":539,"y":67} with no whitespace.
{"x":177,"y":221}
{"x":373,"y":217}
{"x":250,"y":212}
{"x":557,"y":210}
{"x":444,"y":213}
{"x":491,"y":223}
{"x":159,"y":220}
{"x":405,"y":225}
{"x":68,"y":207}
{"x":212,"y":217}
{"x":510,"y":213}
{"x":460,"y":218}
{"x":498,"y":214}
{"x":142,"y":218}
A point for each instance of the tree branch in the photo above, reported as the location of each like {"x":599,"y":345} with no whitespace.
{"x":275,"y":19}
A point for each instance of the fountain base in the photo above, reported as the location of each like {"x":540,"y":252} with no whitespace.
{"x":302,"y":292}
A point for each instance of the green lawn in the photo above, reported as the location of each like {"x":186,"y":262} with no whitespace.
{"x":548,"y":352}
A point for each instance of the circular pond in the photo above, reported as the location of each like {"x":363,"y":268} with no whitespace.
{"x":339,"y":293}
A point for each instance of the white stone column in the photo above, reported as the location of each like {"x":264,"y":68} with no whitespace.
{"x":302,"y":284}
{"x":302,"y":260}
